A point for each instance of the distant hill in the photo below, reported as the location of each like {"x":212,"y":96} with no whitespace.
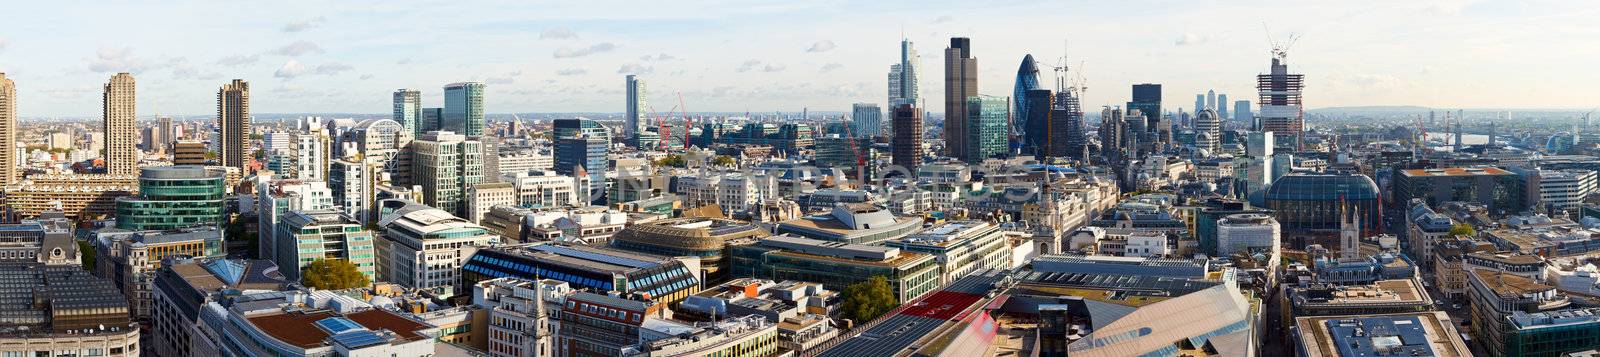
{"x":1387,"y":109}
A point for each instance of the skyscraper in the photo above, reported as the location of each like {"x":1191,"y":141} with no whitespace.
{"x":431,"y":120}
{"x":960,"y":82}
{"x":8,"y":131}
{"x":1035,"y":118}
{"x":1027,"y":79}
{"x":1280,"y":110}
{"x":905,"y":146}
{"x":1199,"y":102}
{"x":634,"y":120}
{"x":1211,"y":101}
{"x":164,"y":127}
{"x":903,"y":77}
{"x":867,"y":118}
{"x":1113,"y":135}
{"x":1222,"y":107}
{"x":233,"y":117}
{"x":581,"y":147}
{"x":118,"y":111}
{"x":1208,"y":130}
{"x":1242,"y":113}
{"x":986,"y":127}
{"x":445,"y":164}
{"x":1068,"y":133}
{"x":1147,"y":99}
{"x":408,"y":109}
{"x":463,"y":108}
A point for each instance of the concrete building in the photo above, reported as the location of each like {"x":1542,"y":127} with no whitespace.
{"x":185,"y":286}
{"x":1247,"y":232}
{"x":276,"y":198}
{"x":1380,"y":297}
{"x":1497,"y":189}
{"x":905,"y":145}
{"x":319,"y":323}
{"x":8,"y":133}
{"x":307,"y":236}
{"x":63,"y":311}
{"x":1424,"y":229}
{"x":854,"y":224}
{"x":1281,"y":110}
{"x":352,"y":184}
{"x":707,"y":238}
{"x":960,"y":83}
{"x":1562,"y":190}
{"x":77,"y":196}
{"x":233,"y":117}
{"x":866,"y":119}
{"x":122,"y":158}
{"x":544,"y":189}
{"x":1406,"y":334}
{"x":1495,"y":296}
{"x":960,"y":247}
{"x":131,"y":259}
{"x":445,"y":164}
{"x":188,"y":152}
{"x":424,"y":248}
{"x":47,"y":240}
{"x":482,"y":196}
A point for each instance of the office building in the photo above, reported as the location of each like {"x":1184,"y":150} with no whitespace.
{"x":77,"y":196}
{"x":1574,"y":332}
{"x":432,"y":120}
{"x":1281,"y":110}
{"x":904,"y":77}
{"x":867,"y":119}
{"x":408,"y":109}
{"x":1114,"y":136}
{"x":233,"y":117}
{"x":707,"y":238}
{"x":987,"y":130}
{"x":936,"y":316}
{"x":480,"y":197}
{"x":1495,"y":296}
{"x":1424,"y":230}
{"x":118,"y":115}
{"x":1131,"y":314}
{"x":1378,"y":297}
{"x":582,"y":145}
{"x":352,"y":184}
{"x":836,"y":265}
{"x":906,"y":144}
{"x":1027,"y":80}
{"x":1222,"y":107}
{"x":659,"y":279}
{"x":1499,"y":190}
{"x":188,"y":152}
{"x":1068,"y":132}
{"x":634,"y":118}
{"x":1248,"y":232}
{"x":445,"y":164}
{"x":131,"y":259}
{"x":184,"y":286}
{"x":173,"y":197}
{"x":545,"y":189}
{"x":1430,"y":333}
{"x":316,"y":323}
{"x":853,"y":223}
{"x":960,"y":247}
{"x":424,"y":248}
{"x":307,"y":236}
{"x":1147,"y":100}
{"x":47,"y":240}
{"x":960,"y":83}
{"x":1034,"y":120}
{"x":1559,"y":190}
{"x":1208,"y":130}
{"x":276,"y":198}
{"x":63,"y":311}
{"x":524,"y":315}
{"x":463,"y":109}
{"x":8,"y":133}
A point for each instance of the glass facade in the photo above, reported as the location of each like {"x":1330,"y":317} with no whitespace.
{"x":987,"y":131}
{"x":1309,"y":204}
{"x":463,"y":108}
{"x":910,"y":277}
{"x":666,"y":282}
{"x":174,"y":197}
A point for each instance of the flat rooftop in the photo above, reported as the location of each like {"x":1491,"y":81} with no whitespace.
{"x":1412,"y":334}
{"x":1508,"y":284}
{"x":302,"y":330}
{"x":1456,"y":171}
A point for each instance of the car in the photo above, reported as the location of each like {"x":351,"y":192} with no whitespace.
{"x":1456,"y":306}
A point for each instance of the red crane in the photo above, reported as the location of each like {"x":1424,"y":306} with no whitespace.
{"x":684,"y":109}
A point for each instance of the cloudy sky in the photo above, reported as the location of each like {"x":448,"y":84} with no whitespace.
{"x":566,"y":56}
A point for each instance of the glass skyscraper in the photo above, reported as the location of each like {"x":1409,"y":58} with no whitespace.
{"x":868,"y":119}
{"x":1027,"y":79}
{"x":1147,"y":99}
{"x":582,"y":143}
{"x":463,"y":108}
{"x":986,"y":127}
{"x":1035,"y":118}
{"x":408,"y":109}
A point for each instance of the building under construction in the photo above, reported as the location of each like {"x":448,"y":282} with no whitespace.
{"x":1281,"y":111}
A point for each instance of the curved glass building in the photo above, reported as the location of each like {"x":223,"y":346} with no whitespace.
{"x":172,"y":197}
{"x":1307,"y":205}
{"x":1027,"y":79}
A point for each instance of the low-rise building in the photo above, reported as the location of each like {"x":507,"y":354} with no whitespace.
{"x":319,"y":323}
{"x":1406,"y":334}
{"x":47,"y":240}
{"x":131,"y":259}
{"x":961,"y":247}
{"x":1496,"y":295}
{"x":184,"y":286}
{"x":1381,"y":297}
{"x":63,"y":310}
{"x":524,"y":315}
{"x":853,"y":224}
{"x":308,"y":236}
{"x":706,"y":238}
{"x":76,"y":196}
{"x":1552,"y":333}
{"x":424,"y":248}
{"x":836,"y":265}
{"x":659,"y":279}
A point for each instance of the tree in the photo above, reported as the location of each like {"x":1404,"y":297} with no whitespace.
{"x":86,"y":255}
{"x":723,"y":160}
{"x":869,"y":299}
{"x":333,"y":274}
{"x":673,"y":161}
{"x":1462,"y":229}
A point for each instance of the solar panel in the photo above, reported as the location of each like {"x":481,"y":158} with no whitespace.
{"x":337,"y":325}
{"x":358,"y":339}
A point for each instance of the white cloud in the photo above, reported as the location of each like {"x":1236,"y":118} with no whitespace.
{"x":298,"y":48}
{"x":635,"y":68}
{"x":303,"y":25}
{"x":3,"y":43}
{"x":238,"y":60}
{"x":333,"y":68}
{"x":113,"y":59}
{"x":571,"y":72}
{"x":660,"y":57}
{"x":557,"y":34}
{"x":367,"y":76}
{"x":944,"y":19}
{"x":1192,"y":39}
{"x":752,"y":64}
{"x":290,"y":69}
{"x":822,"y":46}
{"x":568,"y":52}
{"x":832,"y":66}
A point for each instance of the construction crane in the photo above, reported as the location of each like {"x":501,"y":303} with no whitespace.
{"x":687,"y":123}
{"x":1280,"y":50}
{"x":861,"y":160}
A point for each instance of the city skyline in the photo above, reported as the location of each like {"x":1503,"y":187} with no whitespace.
{"x":790,"y":56}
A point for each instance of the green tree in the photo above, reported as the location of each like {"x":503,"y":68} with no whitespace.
{"x":333,"y":274}
{"x":723,"y":160}
{"x":869,"y":299}
{"x":1462,"y":229}
{"x":673,"y":161}
{"x":86,"y":255}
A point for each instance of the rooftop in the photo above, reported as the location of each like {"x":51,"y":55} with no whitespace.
{"x":1411,"y":334}
{"x":307,"y":329}
{"x":1507,"y":284}
{"x":1456,"y":171}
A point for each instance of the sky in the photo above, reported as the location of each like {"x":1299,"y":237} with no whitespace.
{"x":764,"y":56}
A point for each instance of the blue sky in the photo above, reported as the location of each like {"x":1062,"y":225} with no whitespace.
{"x":788,"y":55}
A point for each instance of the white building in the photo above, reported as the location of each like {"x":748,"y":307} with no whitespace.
{"x":276,"y":198}
{"x":523,"y":315}
{"x":960,"y":247}
{"x":318,"y":323}
{"x":482,"y":196}
{"x":1564,"y":190}
{"x":1147,"y":244}
{"x":1242,"y":232}
{"x":511,"y":163}
{"x":423,"y":247}
{"x":542,"y":188}
{"x":351,"y":183}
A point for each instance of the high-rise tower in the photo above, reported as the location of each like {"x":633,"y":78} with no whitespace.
{"x":1280,"y":107}
{"x":1027,"y":79}
{"x":905,"y":146}
{"x":233,"y":116}
{"x":1207,"y":130}
{"x":118,"y":112}
{"x":1222,"y":106}
{"x":8,"y":131}
{"x":463,"y":108}
{"x":904,"y":76}
{"x":960,"y":82}
{"x":1211,"y":100}
{"x":634,"y":121}
{"x":1147,"y":100}
{"x":408,"y":110}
